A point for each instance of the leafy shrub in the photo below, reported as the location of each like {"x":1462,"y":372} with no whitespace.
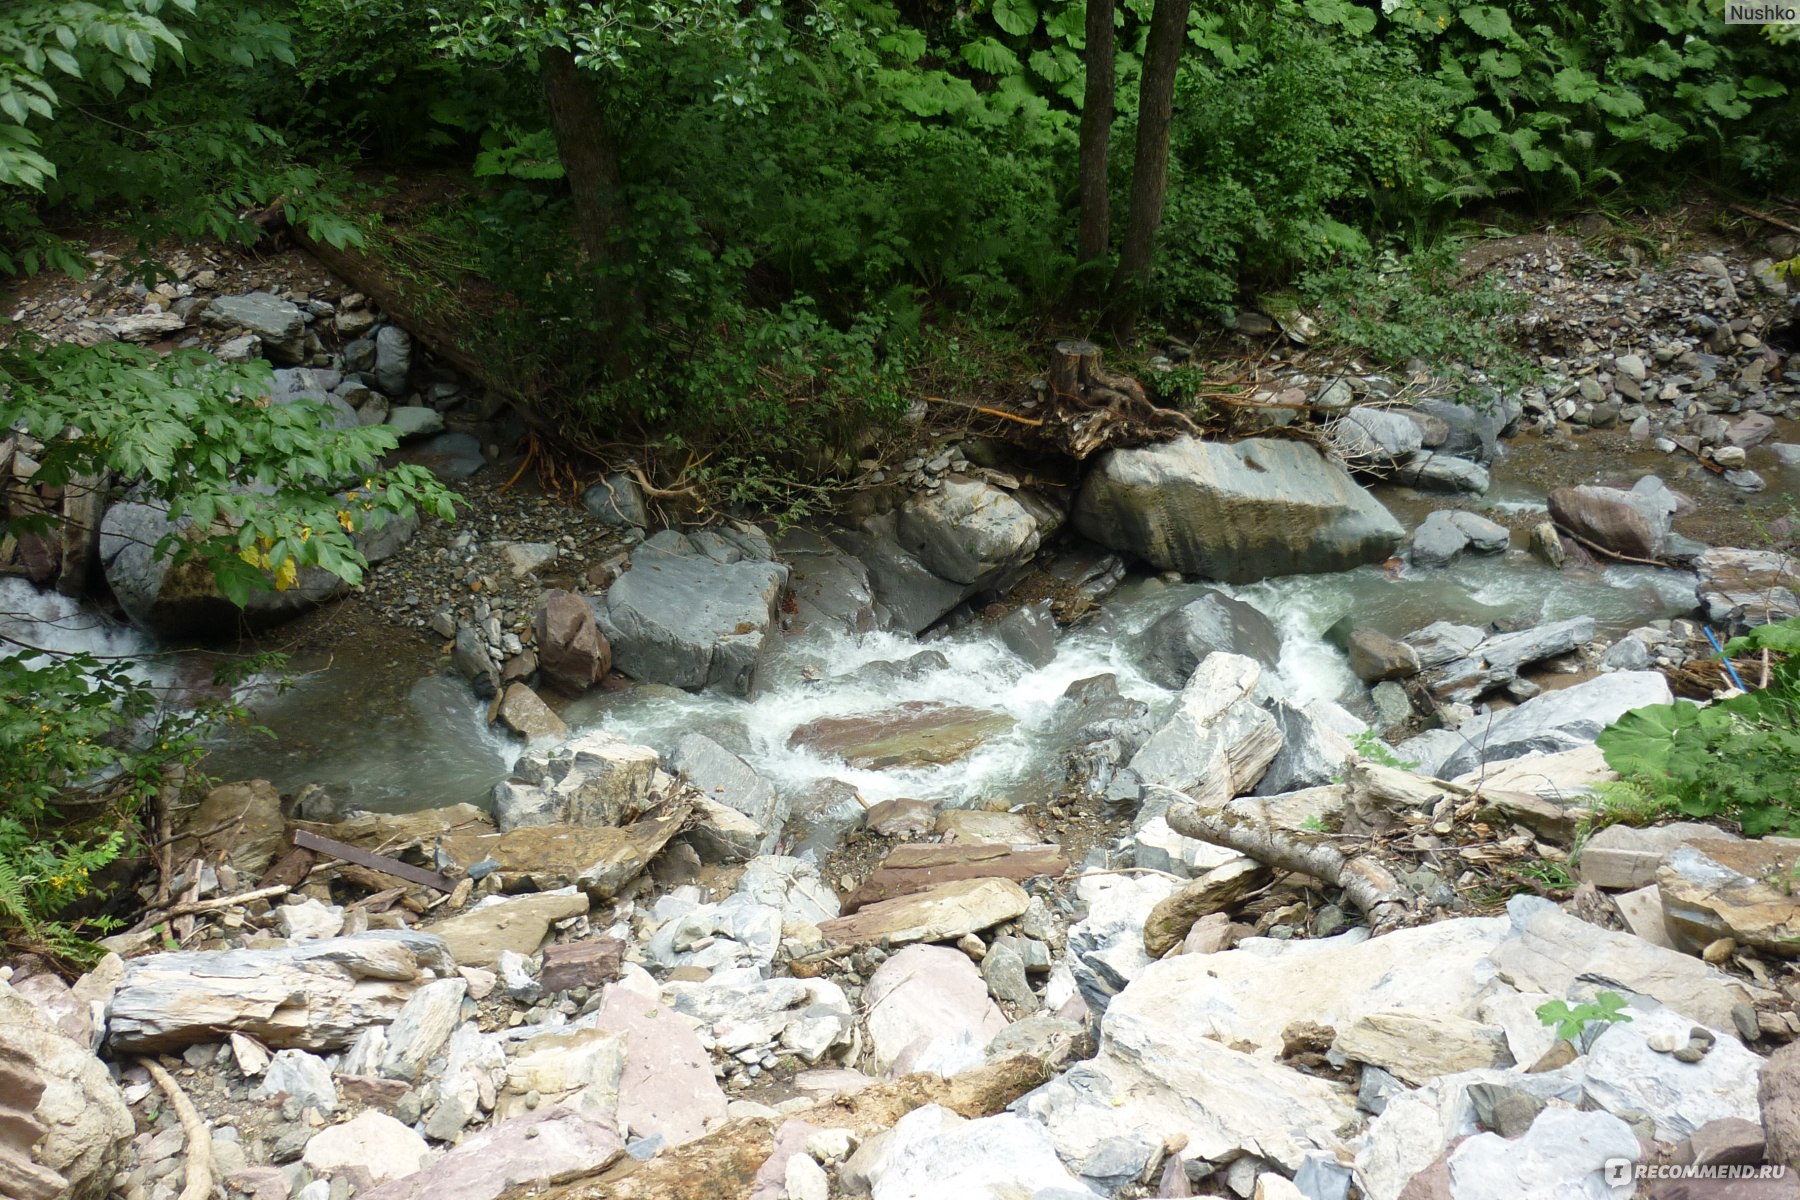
{"x":1291,"y":139}
{"x":1737,"y":758}
{"x":1562,"y":100}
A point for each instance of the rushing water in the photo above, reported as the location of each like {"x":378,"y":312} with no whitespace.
{"x":385,"y":727}
{"x":397,"y":733}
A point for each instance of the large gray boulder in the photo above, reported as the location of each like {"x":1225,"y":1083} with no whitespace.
{"x":63,"y":1122}
{"x":1559,"y":720}
{"x":1237,"y":512}
{"x":182,"y":600}
{"x":1178,"y":641}
{"x":909,"y":595}
{"x":1375,"y":436}
{"x":827,"y":583}
{"x":689,"y":618}
{"x":967,"y":530}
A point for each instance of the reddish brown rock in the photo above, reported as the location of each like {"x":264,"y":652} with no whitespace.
{"x":916,"y":868}
{"x":915,"y":734}
{"x":572,"y":652}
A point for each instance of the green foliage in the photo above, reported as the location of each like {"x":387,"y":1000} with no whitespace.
{"x":1369,"y":745}
{"x":1292,"y":138}
{"x":1737,"y":758}
{"x":1569,"y":1022}
{"x":1404,"y":308}
{"x":85,"y":744}
{"x":270,"y":488}
{"x":1562,"y":101}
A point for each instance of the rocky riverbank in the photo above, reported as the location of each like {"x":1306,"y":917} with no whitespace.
{"x":966,"y":845}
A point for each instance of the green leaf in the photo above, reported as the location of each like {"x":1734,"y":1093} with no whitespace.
{"x":1619,"y":102}
{"x":1056,"y":65}
{"x":1640,"y":741}
{"x":906,"y":44}
{"x":1500,"y":64}
{"x":1068,"y":24}
{"x":990,"y":55}
{"x":1017,"y":17}
{"x":1574,"y":86}
{"x":1489,"y":21}
{"x":1760,"y":87}
{"x":1477,"y":122}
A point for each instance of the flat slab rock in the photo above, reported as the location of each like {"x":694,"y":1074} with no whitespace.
{"x":313,"y":996}
{"x":598,"y":859}
{"x":940,"y":914}
{"x":478,"y":937}
{"x":911,"y":869}
{"x":918,"y":733}
{"x":1731,"y":889}
{"x":544,"y":1145}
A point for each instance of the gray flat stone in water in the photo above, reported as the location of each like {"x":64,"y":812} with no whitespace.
{"x":1443,"y":473}
{"x":1438,"y":541}
{"x":1485,"y":536}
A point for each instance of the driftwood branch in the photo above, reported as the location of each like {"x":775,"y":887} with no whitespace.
{"x":1366,"y":883}
{"x":199,"y":1184}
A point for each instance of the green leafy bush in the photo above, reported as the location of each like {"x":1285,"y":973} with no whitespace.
{"x":1293,"y":139}
{"x":1738,"y":758}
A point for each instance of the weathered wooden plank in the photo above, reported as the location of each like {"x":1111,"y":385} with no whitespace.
{"x":374,"y":862}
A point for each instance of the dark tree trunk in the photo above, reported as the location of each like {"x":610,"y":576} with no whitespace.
{"x":590,"y":163}
{"x":1150,"y":171}
{"x":1096,"y":132}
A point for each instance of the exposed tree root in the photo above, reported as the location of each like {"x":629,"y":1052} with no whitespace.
{"x":199,"y":1178}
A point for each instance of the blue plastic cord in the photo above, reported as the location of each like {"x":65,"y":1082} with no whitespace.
{"x":1729,"y":669}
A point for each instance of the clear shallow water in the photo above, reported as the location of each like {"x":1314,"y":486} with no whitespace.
{"x":380,"y":740}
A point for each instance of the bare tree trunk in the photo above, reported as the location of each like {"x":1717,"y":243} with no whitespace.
{"x":590,"y":161}
{"x":1156,"y":106}
{"x":1097,"y":106}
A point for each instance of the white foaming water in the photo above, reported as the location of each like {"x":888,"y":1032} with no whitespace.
{"x":817,"y":675}
{"x":56,"y":623}
{"x":821,"y":675}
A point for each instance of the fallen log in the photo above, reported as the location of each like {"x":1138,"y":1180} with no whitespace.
{"x":1366,"y":883}
{"x":724,"y":1163}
